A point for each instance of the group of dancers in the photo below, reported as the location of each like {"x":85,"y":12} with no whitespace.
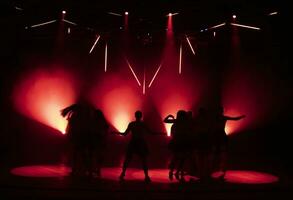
{"x":200,"y":139}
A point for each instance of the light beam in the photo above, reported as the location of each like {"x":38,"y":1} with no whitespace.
{"x":44,"y":23}
{"x":180,"y":59}
{"x":155,"y":75}
{"x":245,"y":26}
{"x":94,"y":44}
{"x":190,"y":45}
{"x":106,"y":57}
{"x":133,"y":73}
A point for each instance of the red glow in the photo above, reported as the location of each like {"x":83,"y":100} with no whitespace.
{"x":170,"y":25}
{"x":143,"y":87}
{"x":41,"y":171}
{"x":242,"y":93}
{"x":118,"y":100}
{"x":175,"y":98}
{"x":106,"y":57}
{"x":42,"y":94}
{"x":126,"y":21}
{"x":248,"y":177}
{"x":180,"y":59}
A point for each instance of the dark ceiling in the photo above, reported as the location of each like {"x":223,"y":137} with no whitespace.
{"x":193,"y":14}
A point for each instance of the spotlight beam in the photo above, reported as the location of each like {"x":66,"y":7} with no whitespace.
{"x":106,"y":57}
{"x":273,"y":13}
{"x":44,"y":23}
{"x":190,"y":45}
{"x":172,"y":14}
{"x":155,"y":75}
{"x":18,"y":8}
{"x":115,"y":14}
{"x":217,"y":26}
{"x":94,"y":44}
{"x":133,"y":73}
{"x":180,"y":59}
{"x":245,"y":26}
{"x":69,"y":22}
{"x":143,"y":87}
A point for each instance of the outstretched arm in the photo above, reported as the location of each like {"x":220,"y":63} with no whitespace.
{"x":127,"y":130}
{"x":234,"y":118}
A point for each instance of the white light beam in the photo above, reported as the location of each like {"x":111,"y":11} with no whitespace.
{"x":115,"y":14}
{"x":94,"y":44}
{"x":44,"y":23}
{"x":217,"y":26}
{"x":245,"y":26}
{"x":69,"y":22}
{"x":155,"y":75}
{"x":190,"y":45}
{"x":133,"y":73}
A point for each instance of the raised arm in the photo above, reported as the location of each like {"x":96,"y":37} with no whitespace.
{"x":170,"y":119}
{"x":67,"y":110}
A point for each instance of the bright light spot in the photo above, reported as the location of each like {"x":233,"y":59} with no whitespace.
{"x":214,"y":34}
{"x":168,"y":128}
{"x":42,"y":94}
{"x":126,"y":13}
{"x":234,"y":16}
{"x":171,"y":105}
{"x":120,"y":104}
{"x":117,"y":98}
{"x":273,"y":13}
{"x":170,"y":14}
{"x":63,"y":12}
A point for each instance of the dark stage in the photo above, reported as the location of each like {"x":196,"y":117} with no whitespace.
{"x":158,"y":57}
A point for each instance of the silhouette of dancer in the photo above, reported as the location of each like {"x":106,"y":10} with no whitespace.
{"x":221,"y":139}
{"x":203,"y":144}
{"x":78,"y":116}
{"x":178,"y":144}
{"x":137,"y":145}
{"x":97,"y":141}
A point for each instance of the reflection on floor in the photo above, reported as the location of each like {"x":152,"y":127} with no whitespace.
{"x":132,"y":174}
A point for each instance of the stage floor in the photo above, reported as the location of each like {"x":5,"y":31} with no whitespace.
{"x":54,"y":182}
